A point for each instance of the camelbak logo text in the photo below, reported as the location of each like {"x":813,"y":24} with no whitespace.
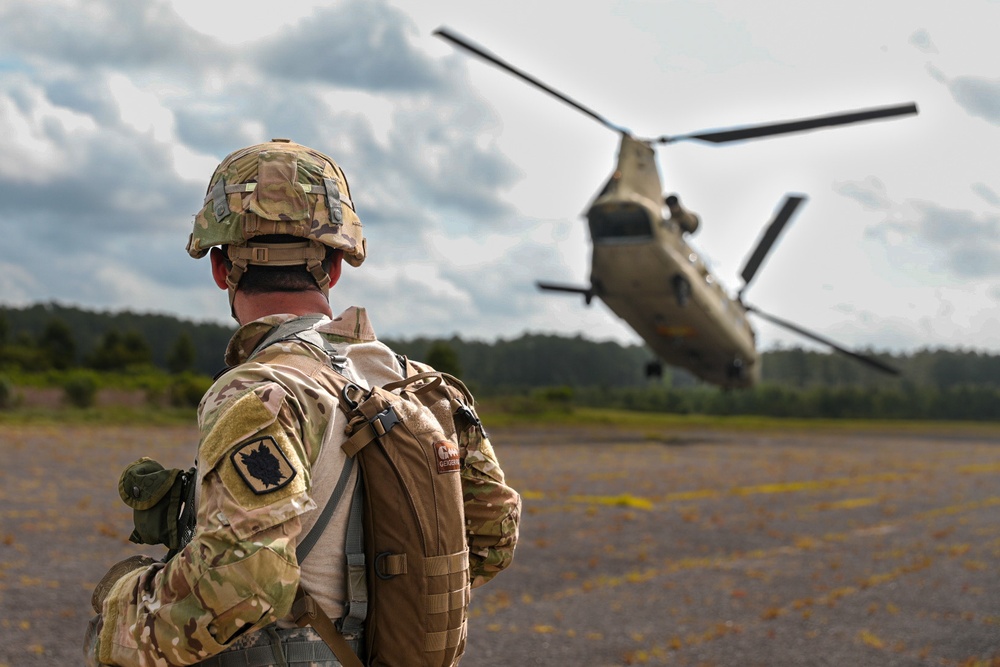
{"x":447,"y":457}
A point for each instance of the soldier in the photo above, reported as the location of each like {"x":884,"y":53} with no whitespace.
{"x":278,"y":221}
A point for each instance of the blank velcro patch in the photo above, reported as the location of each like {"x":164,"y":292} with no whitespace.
{"x":262,"y":465}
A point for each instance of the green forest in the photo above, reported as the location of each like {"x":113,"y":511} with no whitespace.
{"x":66,"y":346}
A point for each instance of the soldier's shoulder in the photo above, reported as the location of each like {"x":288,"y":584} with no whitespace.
{"x":235,"y":383}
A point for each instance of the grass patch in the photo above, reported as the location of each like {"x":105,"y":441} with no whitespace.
{"x":494,"y":415}
{"x":105,"y":416}
{"x":505,"y":413}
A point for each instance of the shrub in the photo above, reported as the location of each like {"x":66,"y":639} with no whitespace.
{"x":6,"y":393}
{"x":187,"y":389}
{"x":443,"y":358}
{"x":80,"y":390}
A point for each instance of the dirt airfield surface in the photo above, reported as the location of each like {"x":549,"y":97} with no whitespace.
{"x":678,"y":546}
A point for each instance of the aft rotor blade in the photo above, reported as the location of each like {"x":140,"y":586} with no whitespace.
{"x":786,"y":127}
{"x":464,"y":43}
{"x":771,"y":234}
{"x":865,"y":359}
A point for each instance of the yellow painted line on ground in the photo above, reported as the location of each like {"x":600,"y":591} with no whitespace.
{"x":694,"y":495}
{"x":628,"y":500}
{"x":818,"y":484}
{"x":847,"y":504}
{"x":623,"y":500}
{"x":975,"y":468}
{"x":958,"y":509}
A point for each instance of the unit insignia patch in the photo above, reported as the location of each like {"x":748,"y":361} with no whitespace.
{"x":262,"y":465}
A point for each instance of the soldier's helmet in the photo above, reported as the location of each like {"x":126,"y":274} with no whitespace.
{"x":284,"y":189}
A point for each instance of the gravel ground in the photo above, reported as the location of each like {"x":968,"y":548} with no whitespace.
{"x":637,"y":546}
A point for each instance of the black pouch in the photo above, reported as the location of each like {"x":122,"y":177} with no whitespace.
{"x":162,"y":503}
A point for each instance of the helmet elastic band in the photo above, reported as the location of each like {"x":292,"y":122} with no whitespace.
{"x":309,"y":253}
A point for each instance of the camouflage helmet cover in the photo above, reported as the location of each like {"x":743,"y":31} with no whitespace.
{"x":278,"y":188}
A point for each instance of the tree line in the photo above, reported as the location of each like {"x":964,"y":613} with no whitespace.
{"x":52,"y":336}
{"x":935,"y":383}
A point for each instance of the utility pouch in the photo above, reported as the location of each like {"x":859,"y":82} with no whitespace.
{"x":162,"y":503}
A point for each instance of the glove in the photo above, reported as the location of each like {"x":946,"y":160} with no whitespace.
{"x":117,"y":571}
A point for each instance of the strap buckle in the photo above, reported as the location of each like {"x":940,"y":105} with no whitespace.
{"x":384,"y":421}
{"x":304,"y":609}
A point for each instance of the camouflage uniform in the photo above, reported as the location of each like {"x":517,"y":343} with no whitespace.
{"x":236,"y":580}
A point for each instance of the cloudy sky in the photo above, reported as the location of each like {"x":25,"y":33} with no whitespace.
{"x":471,"y":185}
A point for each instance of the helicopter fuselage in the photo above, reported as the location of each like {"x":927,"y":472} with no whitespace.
{"x":648,"y":275}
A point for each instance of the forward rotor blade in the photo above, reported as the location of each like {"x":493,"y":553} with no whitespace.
{"x":556,"y":287}
{"x":771,"y":234}
{"x":464,"y":43}
{"x":785,"y":127}
{"x":869,"y":361}
{"x":587,"y":292}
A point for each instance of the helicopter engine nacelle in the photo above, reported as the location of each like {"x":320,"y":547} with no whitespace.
{"x":683,"y":218}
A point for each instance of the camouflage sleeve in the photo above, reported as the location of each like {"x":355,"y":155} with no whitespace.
{"x":239,"y":572}
{"x":492,"y":509}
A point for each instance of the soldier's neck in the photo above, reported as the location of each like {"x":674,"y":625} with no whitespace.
{"x":250,"y":307}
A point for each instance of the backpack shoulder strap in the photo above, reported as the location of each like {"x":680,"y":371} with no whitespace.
{"x":306,"y":611}
{"x":309,"y":541}
{"x":354,"y":550}
{"x":285,"y":331}
{"x":404,"y":363}
{"x":301,"y":329}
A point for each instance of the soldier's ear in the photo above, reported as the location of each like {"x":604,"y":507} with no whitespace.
{"x":336,"y":266}
{"x":220,"y":267}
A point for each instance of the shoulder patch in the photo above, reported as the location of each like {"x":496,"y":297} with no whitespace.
{"x":262,"y":465}
{"x":240,"y":419}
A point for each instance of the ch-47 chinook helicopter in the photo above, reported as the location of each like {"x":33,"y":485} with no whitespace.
{"x":648,"y":275}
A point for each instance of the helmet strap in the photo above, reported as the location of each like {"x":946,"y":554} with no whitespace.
{"x":315,"y":267}
{"x":309,"y":253}
{"x":239,"y":267}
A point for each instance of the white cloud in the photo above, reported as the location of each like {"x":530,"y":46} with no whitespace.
{"x":37,"y":135}
{"x":254,"y":21}
{"x":141,"y":110}
{"x":17,"y":284}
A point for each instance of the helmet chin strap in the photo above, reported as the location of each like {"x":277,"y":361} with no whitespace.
{"x":236,"y":271}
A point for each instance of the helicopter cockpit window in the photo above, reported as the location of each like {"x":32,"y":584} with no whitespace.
{"x":631,"y":222}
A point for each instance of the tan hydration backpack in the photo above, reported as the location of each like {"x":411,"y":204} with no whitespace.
{"x":408,"y":558}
